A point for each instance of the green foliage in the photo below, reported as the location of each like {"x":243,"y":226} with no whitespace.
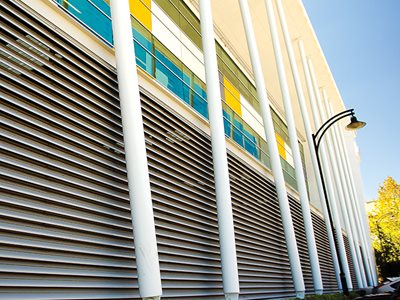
{"x":384,"y":221}
{"x":337,"y":296}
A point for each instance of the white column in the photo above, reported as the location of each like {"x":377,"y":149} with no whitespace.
{"x":230,"y":275}
{"x":274,"y":154}
{"x":307,"y":126}
{"x":331,"y":161}
{"x":328,"y":179}
{"x":344,"y":194}
{"x":360,"y":205}
{"x":356,"y":208}
{"x":353,"y":213}
{"x":135,"y":154}
{"x":300,"y":179}
{"x":308,"y":131}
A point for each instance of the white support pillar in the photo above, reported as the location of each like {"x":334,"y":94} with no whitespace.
{"x":351,"y":206}
{"x":274,"y":154}
{"x":135,"y":154}
{"x":307,"y":127}
{"x":332,"y":161}
{"x":328,"y":179}
{"x":230,"y":275}
{"x":301,"y":182}
{"x":331,"y":165}
{"x":344,"y":195}
{"x":370,"y":249}
{"x":356,"y":208}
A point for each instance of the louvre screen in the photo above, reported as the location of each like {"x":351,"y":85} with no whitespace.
{"x":324,"y":254}
{"x":65,"y":221}
{"x":301,"y":239}
{"x":263,"y":261}
{"x":350,"y":262}
{"x":184,"y":202}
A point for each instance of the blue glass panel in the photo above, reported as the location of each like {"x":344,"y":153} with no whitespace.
{"x":186,"y":88}
{"x":250,"y":143}
{"x":227,"y":123}
{"x":169,"y":74}
{"x":199,"y":102}
{"x":91,"y":16}
{"x":143,"y":49}
{"x":237,"y":132}
{"x":146,"y":44}
{"x":103,"y":6}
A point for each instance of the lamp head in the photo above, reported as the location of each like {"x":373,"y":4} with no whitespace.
{"x":355,"y":124}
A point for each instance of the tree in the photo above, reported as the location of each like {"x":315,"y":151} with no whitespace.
{"x":384,"y":221}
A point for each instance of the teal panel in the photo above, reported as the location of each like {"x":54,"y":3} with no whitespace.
{"x":91,"y":16}
{"x":227,"y":124}
{"x":199,"y":102}
{"x":143,"y":50}
{"x":238,"y":132}
{"x":169,"y":75}
{"x":250,"y":143}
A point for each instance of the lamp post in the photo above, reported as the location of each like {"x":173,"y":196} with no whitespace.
{"x":317,"y":137}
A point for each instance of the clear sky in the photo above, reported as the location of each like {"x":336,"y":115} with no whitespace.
{"x":361,"y":42}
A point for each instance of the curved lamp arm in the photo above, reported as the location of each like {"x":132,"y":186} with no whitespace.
{"x":322,"y":130}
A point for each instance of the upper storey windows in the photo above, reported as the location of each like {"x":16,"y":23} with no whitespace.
{"x":181,"y":15}
{"x":168,"y":47}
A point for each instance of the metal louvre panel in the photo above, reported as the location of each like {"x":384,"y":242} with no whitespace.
{"x":298,"y":223}
{"x":350,"y":261}
{"x":324,"y":254}
{"x":181,"y":174}
{"x":264,"y":270}
{"x":65,"y":222}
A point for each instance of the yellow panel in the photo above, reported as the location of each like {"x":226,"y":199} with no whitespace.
{"x":281,"y":146}
{"x":232,"y":97}
{"x":141,"y":10}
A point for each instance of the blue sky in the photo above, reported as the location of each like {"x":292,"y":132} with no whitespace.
{"x":361,"y":42}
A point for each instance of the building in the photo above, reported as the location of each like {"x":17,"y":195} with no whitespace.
{"x":66,"y":226}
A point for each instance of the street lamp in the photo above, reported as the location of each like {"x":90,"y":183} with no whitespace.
{"x":353,"y":125}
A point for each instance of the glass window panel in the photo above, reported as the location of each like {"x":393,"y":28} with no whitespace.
{"x":167,"y":72}
{"x":104,"y":5}
{"x":228,"y":116}
{"x":245,"y":92}
{"x":187,"y":84}
{"x":199,"y":98}
{"x":238,"y":131}
{"x":250,"y":141}
{"x":243,"y":79}
{"x":143,"y":47}
{"x":264,"y":156}
{"x":190,"y":25}
{"x":227,"y":124}
{"x":230,"y":64}
{"x":170,"y":7}
{"x":91,"y":16}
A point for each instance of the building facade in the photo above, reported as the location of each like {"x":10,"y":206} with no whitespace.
{"x":84,"y":216}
